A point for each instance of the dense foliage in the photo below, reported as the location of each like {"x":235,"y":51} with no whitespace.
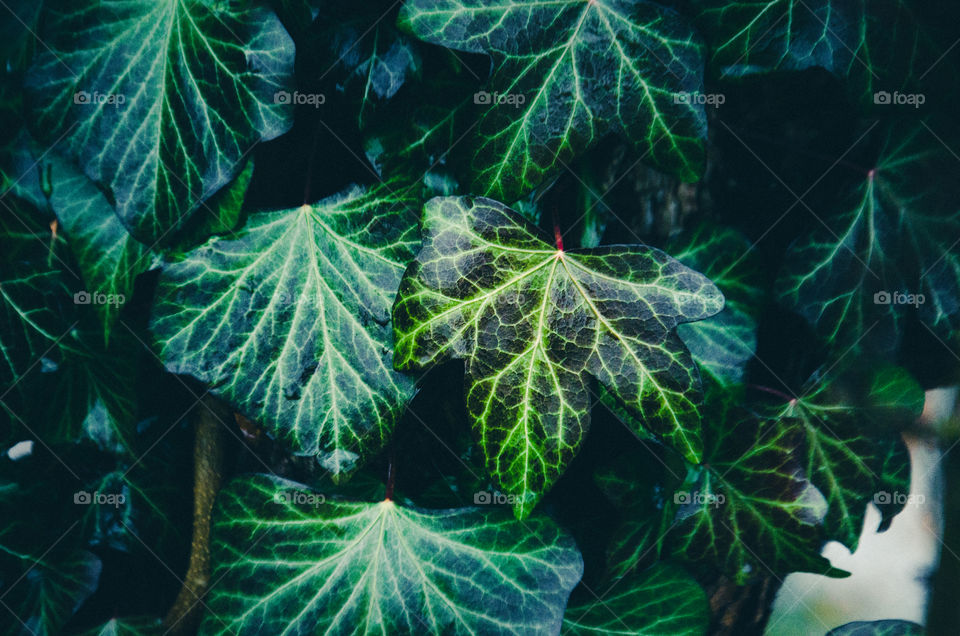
{"x":514,"y":317}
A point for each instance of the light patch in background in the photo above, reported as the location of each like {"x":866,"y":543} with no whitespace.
{"x":889,"y":570}
{"x":20,"y":450}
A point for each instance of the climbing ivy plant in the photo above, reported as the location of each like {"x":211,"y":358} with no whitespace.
{"x":463,"y":316}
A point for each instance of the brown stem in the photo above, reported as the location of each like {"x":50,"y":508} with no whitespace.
{"x":184,"y":616}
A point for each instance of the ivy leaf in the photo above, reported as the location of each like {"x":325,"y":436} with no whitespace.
{"x":751,"y":508}
{"x":534,"y":323}
{"x":290,"y":321}
{"x":160,"y":101}
{"x":876,"y":41}
{"x":55,"y":585}
{"x":849,"y":447}
{"x":878,"y":628}
{"x":292,"y":563}
{"x":892,"y":243}
{"x":661,"y":600}
{"x":723,"y":344}
{"x":108,"y":257}
{"x":371,"y":59}
{"x":570,"y":72}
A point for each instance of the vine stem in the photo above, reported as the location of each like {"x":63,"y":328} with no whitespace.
{"x":391,"y":473}
{"x":184,"y":615}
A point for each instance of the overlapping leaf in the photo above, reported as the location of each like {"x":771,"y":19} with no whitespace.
{"x":290,"y":321}
{"x":660,"y":600}
{"x":893,"y":241}
{"x":723,"y":344}
{"x":853,"y":453}
{"x":567,"y":73}
{"x":534,"y":323}
{"x":292,"y":564}
{"x":878,"y":628}
{"x":160,"y":101}
{"x":135,"y":626}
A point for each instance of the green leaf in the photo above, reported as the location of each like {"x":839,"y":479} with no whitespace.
{"x":569,"y":73}
{"x":290,"y":321}
{"x":661,"y":600}
{"x":53,"y":587}
{"x":134,"y":626}
{"x":109,"y":258}
{"x":751,"y":508}
{"x":875,"y":42}
{"x":289,"y":562}
{"x":722,"y":345}
{"x":534,"y":323}
{"x":878,"y":628}
{"x":895,"y":234}
{"x":223,"y":213}
{"x":189,"y":86}
{"x":369,"y":59}
{"x":850,"y":445}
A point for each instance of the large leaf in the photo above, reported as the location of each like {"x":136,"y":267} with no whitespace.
{"x":895,"y":234}
{"x":290,"y":321}
{"x":852,"y":455}
{"x":290,"y":564}
{"x":535,"y":322}
{"x":160,"y":101}
{"x":660,"y":600}
{"x":723,"y":344}
{"x":569,"y":72}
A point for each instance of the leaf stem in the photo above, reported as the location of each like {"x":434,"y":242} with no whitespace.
{"x":391,"y":473}
{"x":766,"y":389}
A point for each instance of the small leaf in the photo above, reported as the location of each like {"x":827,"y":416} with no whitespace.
{"x":878,"y":628}
{"x":134,"y":626}
{"x":566,"y":74}
{"x":290,"y":321}
{"x":288,"y":560}
{"x":534,"y":323}
{"x":160,"y":101}
{"x":661,"y":600}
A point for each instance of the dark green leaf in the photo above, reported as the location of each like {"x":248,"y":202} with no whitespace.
{"x":290,"y":560}
{"x":878,"y":628}
{"x":290,"y":321}
{"x":534,"y":323}
{"x":567,"y":73}
{"x":160,"y":101}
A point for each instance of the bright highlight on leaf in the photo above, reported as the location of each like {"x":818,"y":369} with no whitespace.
{"x":290,"y":564}
{"x":534,"y":323}
{"x":566,"y":73}
{"x":160,"y":101}
{"x":290,"y":321}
